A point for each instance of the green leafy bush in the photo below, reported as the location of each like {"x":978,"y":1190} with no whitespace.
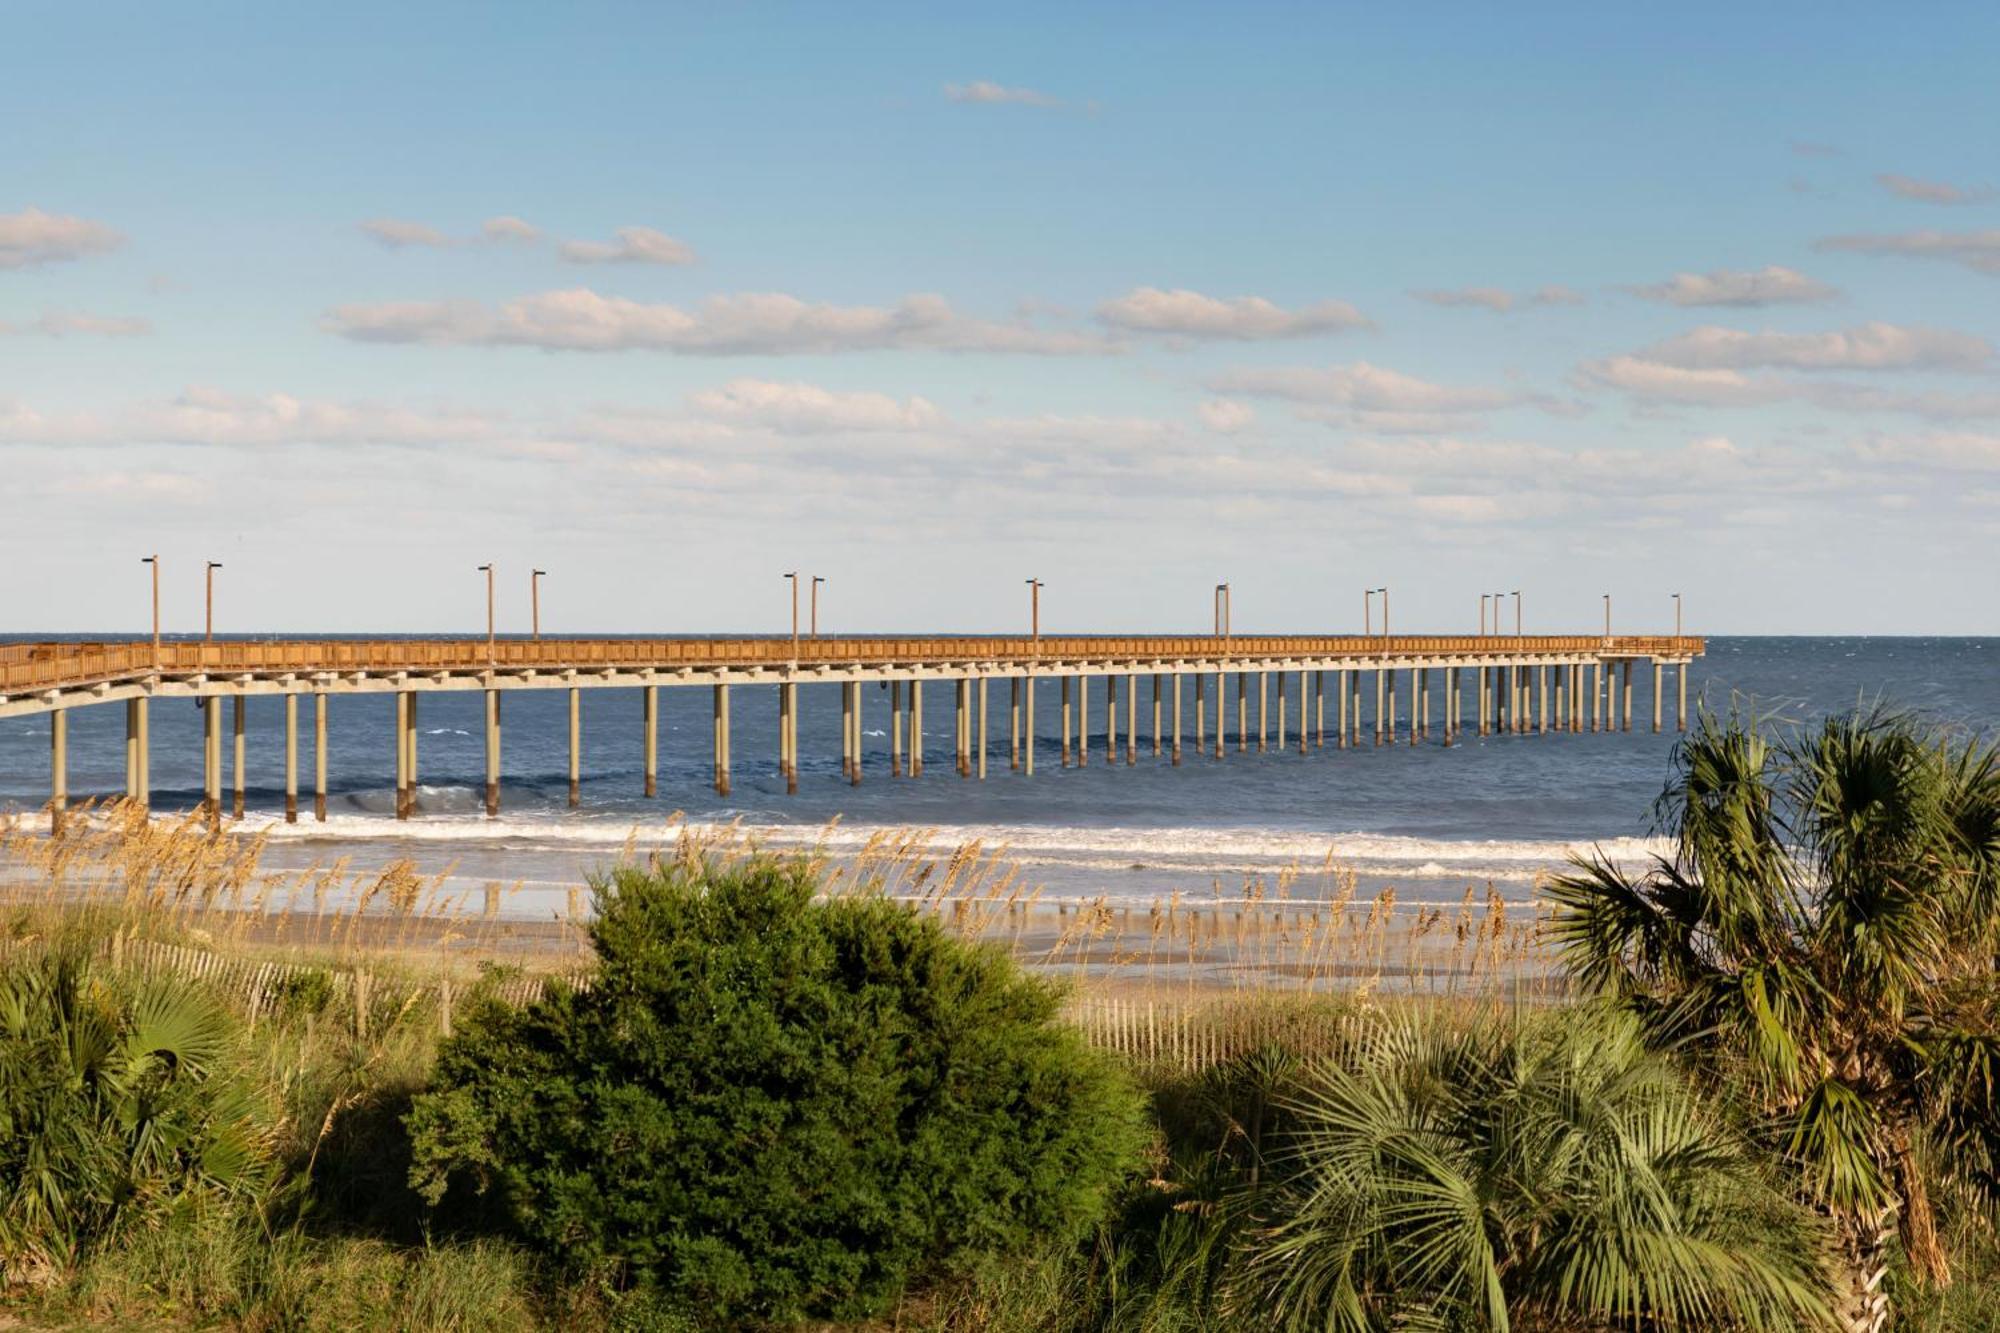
{"x":774,"y":1107}
{"x":120,"y":1101}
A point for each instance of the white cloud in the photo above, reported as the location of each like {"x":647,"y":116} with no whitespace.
{"x":769,"y":323}
{"x":799,"y":409}
{"x":62,"y":323}
{"x":1933,"y":192}
{"x":209,"y":416}
{"x":1226,"y":416}
{"x":1499,"y":299}
{"x":1956,"y":450}
{"x":33,"y":237}
{"x":1188,"y":314}
{"x":398,"y":233}
{"x":1362,"y":387}
{"x":1657,"y":382}
{"x":1872,"y":346}
{"x":1771,"y":285}
{"x":635,"y":245}
{"x":1977,"y":250}
{"x":505,"y":229}
{"x":982,"y":91}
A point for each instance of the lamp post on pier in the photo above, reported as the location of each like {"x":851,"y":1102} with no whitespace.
{"x":1607,"y":618}
{"x":1035,"y":612}
{"x":1484,"y":597}
{"x":208,"y":620}
{"x":794,"y":579}
{"x":1517,"y":612}
{"x":535,"y":600}
{"x":1385,"y":612}
{"x":154,"y":561}
{"x":816,"y":581}
{"x":1677,"y":615}
{"x":492,"y":653}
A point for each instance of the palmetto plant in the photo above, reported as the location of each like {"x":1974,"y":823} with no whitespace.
{"x":1552,"y":1175}
{"x":116,"y":1098}
{"x":1826,"y":930}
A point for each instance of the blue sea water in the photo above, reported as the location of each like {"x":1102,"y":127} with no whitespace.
{"x":1432,"y":819}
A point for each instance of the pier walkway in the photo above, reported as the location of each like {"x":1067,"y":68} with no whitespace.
{"x":1517,"y":684}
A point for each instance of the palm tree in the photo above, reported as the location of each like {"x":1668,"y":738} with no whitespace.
{"x":1825,"y":928}
{"x":116,"y":1097}
{"x":1446,"y":1175}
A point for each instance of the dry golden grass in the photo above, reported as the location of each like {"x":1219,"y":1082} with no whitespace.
{"x":1146,"y":976}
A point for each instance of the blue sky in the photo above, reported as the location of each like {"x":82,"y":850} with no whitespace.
{"x":670,"y":301}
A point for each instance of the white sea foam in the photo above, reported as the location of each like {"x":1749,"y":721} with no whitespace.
{"x":1186,"y":850}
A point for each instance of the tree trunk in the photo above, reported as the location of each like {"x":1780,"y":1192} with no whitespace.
{"x":1864,"y":1305}
{"x":1919,"y":1220}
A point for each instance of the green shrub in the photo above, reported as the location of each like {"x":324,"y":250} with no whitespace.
{"x":121,"y":1101}
{"x":767,"y":1106}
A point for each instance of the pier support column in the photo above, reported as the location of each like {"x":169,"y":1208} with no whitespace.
{"x":962,"y":706}
{"x":1450,"y":718}
{"x":720,"y":708}
{"x":135,"y":753}
{"x":1200,"y":712}
{"x":1305,"y":741}
{"x":895,"y":728}
{"x":1013,"y":724}
{"x":1133,"y":719}
{"x":145,"y":752}
{"x":1177,"y":717}
{"x":491,"y":702}
{"x":1159,"y":708}
{"x":1542,"y":700}
{"x":916,"y":728}
{"x":791,"y":737}
{"x":846,"y":732}
{"x":1681,"y":709}
{"x":1597,"y":696}
{"x":1625,"y":688}
{"x":1416,"y":704}
{"x":1221,"y":711}
{"x":1420,"y":705}
{"x":1028,"y":728}
{"x":1263,"y":701}
{"x":1381,"y":701}
{"x":236,"y":705}
{"x":1345,"y":690}
{"x":58,"y":770}
{"x":576,"y":747}
{"x":1066,"y":720}
{"x":1659,"y":692}
{"x":854,"y":722}
{"x":649,"y":730}
{"x":1283,"y":720}
{"x":319,"y":756}
{"x":1242,"y":712}
{"x":1111,"y":720}
{"x":1083,"y":722}
{"x":410,"y":742}
{"x":1484,"y":700}
{"x":402,"y":742}
{"x":1562,"y":713}
{"x":1319,"y":710}
{"x":981,"y":748}
{"x":291,"y":758}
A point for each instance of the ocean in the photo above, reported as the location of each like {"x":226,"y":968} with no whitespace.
{"x":1431,"y":820}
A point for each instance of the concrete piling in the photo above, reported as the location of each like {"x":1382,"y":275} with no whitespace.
{"x":1013,"y":724}
{"x":58,"y":770}
{"x":576,"y":747}
{"x":982,"y":729}
{"x":720,"y":727}
{"x":1065,"y":721}
{"x":895,"y":728}
{"x":236,"y":704}
{"x":649,"y":730}
{"x":319,"y":756}
{"x":1177,"y":717}
{"x":1659,"y":689}
{"x":916,"y":728}
{"x":1132,"y":721}
{"x":492,"y":708}
{"x":291,"y":757}
{"x":1028,"y":729}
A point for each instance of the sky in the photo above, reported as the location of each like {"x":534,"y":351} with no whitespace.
{"x":928,"y":300}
